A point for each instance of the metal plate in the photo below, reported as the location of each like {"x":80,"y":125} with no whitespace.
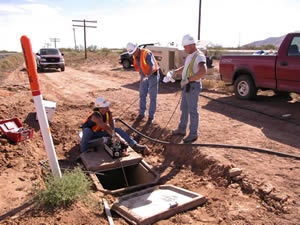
{"x":156,"y":203}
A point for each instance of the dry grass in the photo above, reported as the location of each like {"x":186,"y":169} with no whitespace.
{"x":76,"y":59}
{"x":10,"y":63}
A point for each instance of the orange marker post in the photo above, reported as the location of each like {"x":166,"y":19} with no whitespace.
{"x":38,"y":102}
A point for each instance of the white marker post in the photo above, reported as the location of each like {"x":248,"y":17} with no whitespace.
{"x":38,"y":102}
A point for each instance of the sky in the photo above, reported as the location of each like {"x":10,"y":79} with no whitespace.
{"x":229,"y":23}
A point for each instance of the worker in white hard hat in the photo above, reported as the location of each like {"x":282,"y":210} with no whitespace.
{"x":192,"y":72}
{"x":146,"y":64}
{"x":100,"y":123}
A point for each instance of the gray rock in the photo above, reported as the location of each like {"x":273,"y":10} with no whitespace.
{"x":233,"y":172}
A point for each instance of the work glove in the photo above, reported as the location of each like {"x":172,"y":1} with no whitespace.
{"x":169,"y":77}
{"x":184,"y":82}
{"x":145,"y":78}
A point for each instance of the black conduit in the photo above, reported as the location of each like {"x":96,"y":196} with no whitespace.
{"x":212,"y":145}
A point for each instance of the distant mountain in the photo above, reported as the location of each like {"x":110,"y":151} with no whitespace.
{"x":269,"y":41}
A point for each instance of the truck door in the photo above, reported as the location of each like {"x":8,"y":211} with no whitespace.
{"x":288,"y":67}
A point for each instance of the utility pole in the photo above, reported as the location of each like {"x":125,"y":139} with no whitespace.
{"x":199,"y":22}
{"x":84,"y":29}
{"x":47,"y":45}
{"x":74,"y":38}
{"x":55,"y":40}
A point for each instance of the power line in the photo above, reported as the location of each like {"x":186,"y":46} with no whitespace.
{"x":84,"y":29}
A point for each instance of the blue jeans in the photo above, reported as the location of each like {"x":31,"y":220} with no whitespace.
{"x":189,"y":107}
{"x":150,"y":85}
{"x":88,"y":135}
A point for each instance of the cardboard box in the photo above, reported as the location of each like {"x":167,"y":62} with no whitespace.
{"x":50,"y":108}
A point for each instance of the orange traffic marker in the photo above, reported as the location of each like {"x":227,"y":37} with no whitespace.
{"x":38,"y":102}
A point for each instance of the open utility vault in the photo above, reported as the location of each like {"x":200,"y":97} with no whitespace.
{"x":119,"y":175}
{"x":132,"y":173}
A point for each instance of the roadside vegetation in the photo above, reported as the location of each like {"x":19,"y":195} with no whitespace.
{"x":76,"y":58}
{"x":10,"y":63}
{"x":62,"y":192}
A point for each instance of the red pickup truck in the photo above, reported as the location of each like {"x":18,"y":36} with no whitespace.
{"x":279,"y":72}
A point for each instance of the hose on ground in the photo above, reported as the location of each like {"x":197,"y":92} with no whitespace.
{"x":246,"y":148}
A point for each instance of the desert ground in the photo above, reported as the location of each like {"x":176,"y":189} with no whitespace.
{"x":266,"y":192}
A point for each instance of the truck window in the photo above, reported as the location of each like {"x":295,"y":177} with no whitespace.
{"x":49,"y":52}
{"x":294,"y":47}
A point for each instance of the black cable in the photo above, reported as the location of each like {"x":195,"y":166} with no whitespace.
{"x":170,"y":118}
{"x":212,"y":145}
{"x":253,"y":110}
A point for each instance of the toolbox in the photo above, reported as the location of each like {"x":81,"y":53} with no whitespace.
{"x":14,"y":130}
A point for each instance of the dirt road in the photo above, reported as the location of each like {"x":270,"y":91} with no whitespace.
{"x":268,"y":192}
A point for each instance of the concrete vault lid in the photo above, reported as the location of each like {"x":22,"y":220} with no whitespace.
{"x":156,"y":203}
{"x":100,"y":160}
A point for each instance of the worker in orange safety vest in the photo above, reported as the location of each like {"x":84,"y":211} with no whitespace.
{"x":100,"y":123}
{"x":145,"y":63}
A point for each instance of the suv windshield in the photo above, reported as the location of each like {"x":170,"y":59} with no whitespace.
{"x":49,"y":52}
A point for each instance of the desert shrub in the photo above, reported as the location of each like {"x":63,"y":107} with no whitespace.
{"x":104,"y":51}
{"x":61,"y":192}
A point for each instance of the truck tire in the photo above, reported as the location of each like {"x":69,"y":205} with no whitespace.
{"x":244,"y":87}
{"x":62,"y":68}
{"x":126,"y":64}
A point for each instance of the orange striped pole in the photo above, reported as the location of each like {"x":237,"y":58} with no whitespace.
{"x":38,"y":102}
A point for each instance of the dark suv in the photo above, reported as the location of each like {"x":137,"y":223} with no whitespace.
{"x":126,"y":60}
{"x":50,"y":58}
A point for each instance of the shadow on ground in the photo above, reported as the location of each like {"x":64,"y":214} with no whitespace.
{"x":271,"y":114}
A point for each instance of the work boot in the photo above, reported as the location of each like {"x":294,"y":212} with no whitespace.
{"x":140,"y":148}
{"x":178,"y":132}
{"x":190,"y":139}
{"x":150,"y":120}
{"x":139,"y":117}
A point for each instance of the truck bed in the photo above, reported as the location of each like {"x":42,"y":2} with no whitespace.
{"x":258,"y":64}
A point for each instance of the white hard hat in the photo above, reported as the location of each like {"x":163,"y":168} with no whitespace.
{"x":188,"y":40}
{"x":131,"y":48}
{"x":101,"y":103}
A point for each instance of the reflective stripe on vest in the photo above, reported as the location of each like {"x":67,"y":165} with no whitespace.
{"x":96,"y":128}
{"x":143,"y":64}
{"x":190,"y":70}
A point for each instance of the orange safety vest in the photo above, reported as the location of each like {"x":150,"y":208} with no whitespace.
{"x":143,"y":64}
{"x":96,"y":128}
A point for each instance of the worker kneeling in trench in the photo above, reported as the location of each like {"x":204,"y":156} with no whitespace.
{"x":100,"y":124}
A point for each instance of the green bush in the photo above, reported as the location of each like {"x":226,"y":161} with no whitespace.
{"x":62,"y":192}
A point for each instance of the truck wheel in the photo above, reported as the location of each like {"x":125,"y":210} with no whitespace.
{"x":62,"y":68}
{"x":244,"y":87}
{"x":126,"y":64}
